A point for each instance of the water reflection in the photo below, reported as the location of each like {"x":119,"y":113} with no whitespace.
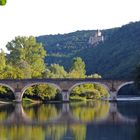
{"x":132,"y":111}
{"x":55,"y":132}
{"x":5,"y":111}
{"x":90,"y":111}
{"x":137,"y":132}
{"x":43,"y":112}
{"x":77,"y":121}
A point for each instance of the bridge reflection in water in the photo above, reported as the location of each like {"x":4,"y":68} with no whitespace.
{"x":60,"y":121}
{"x":83,"y":113}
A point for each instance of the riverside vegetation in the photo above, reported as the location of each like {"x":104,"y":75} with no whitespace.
{"x":26,"y":60}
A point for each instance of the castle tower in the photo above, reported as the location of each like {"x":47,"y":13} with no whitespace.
{"x":96,"y":39}
{"x":99,"y":33}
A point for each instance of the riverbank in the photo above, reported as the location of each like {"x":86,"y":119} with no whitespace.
{"x":4,"y":102}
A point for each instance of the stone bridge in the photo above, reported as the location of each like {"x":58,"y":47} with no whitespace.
{"x":18,"y":86}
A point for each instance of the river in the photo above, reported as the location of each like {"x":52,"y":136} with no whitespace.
{"x":99,"y":120}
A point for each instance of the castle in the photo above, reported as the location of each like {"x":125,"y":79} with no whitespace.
{"x":96,"y":38}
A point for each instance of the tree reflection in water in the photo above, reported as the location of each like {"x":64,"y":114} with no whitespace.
{"x":43,"y":112}
{"x":21,"y":133}
{"x":85,"y":112}
{"x":90,"y":111}
{"x":5,"y":111}
{"x":56,"y":132}
{"x":79,"y":131}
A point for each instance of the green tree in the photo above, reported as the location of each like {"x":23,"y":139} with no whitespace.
{"x":2,"y":63}
{"x":23,"y":70}
{"x":3,"y":71}
{"x":2,"y":2}
{"x":45,"y":92}
{"x":42,"y":92}
{"x":89,"y":91}
{"x":57,"y":71}
{"x":10,"y":72}
{"x":95,"y":75}
{"x":77,"y":69}
{"x":27,"y":50}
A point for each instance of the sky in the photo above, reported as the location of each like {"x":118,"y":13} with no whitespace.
{"x":42,"y":17}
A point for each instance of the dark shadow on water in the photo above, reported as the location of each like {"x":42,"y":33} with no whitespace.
{"x":137,"y":127}
{"x":129,"y":109}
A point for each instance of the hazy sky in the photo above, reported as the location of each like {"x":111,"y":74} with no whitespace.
{"x":41,"y":17}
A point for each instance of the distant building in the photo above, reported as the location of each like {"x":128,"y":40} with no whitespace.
{"x":96,"y":38}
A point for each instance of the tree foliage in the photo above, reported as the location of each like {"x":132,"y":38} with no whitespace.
{"x":2,"y":2}
{"x":2,"y":64}
{"x":41,"y":91}
{"x":54,"y":71}
{"x":27,"y":50}
{"x":89,"y":91}
{"x":77,"y":69}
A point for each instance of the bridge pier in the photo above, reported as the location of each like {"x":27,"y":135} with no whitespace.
{"x":16,"y":115}
{"x":113,"y":108}
{"x":65,"y":95}
{"x":18,"y":109}
{"x":18,"y":97}
{"x":65,"y":108}
{"x":113,"y":95}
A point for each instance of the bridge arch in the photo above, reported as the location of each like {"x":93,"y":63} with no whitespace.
{"x":6,"y":85}
{"x":124,"y":84}
{"x":82,"y":83}
{"x":10,"y":94}
{"x":38,"y":83}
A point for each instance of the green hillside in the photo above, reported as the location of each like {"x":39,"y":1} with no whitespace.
{"x":117,"y":56}
{"x":62,"y":47}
